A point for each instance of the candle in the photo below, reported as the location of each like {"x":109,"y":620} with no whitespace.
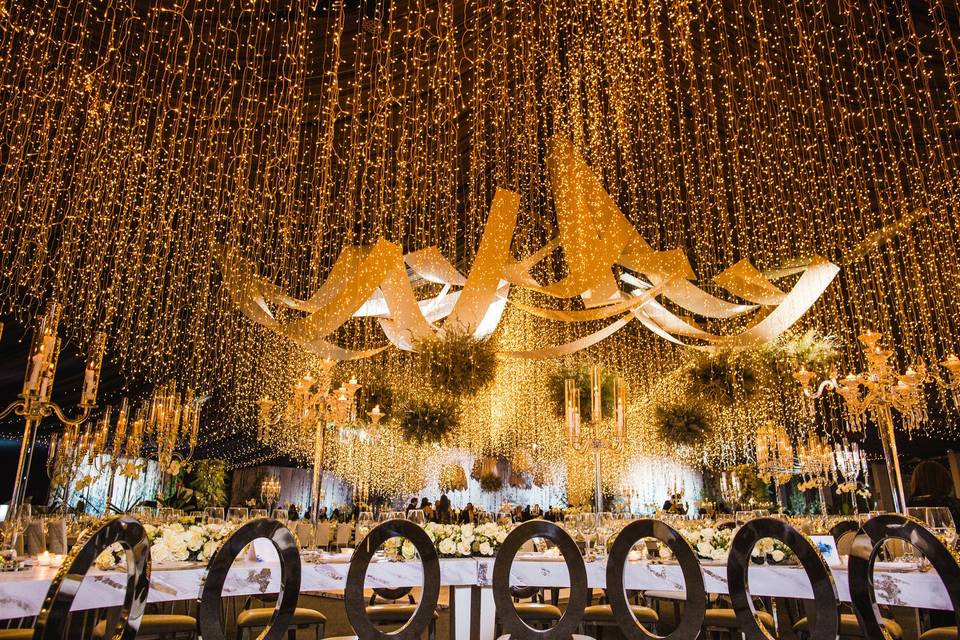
{"x":56,"y":560}
{"x":43,"y":559}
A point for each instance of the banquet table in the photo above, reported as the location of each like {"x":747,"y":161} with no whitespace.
{"x":468,"y":579}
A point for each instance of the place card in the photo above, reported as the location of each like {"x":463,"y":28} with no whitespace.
{"x":827,"y":547}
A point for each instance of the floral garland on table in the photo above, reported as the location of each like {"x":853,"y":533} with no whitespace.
{"x":174,"y":543}
{"x":710,"y":543}
{"x":453,"y":541}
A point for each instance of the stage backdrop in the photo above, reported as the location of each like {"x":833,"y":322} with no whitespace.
{"x":294,"y":487}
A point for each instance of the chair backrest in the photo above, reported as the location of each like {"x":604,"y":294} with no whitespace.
{"x":321,"y":537}
{"x":305,"y":534}
{"x":343,"y":533}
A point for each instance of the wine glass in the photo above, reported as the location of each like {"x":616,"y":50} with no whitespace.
{"x":417,"y":517}
{"x":505,"y":519}
{"x":587,"y":525}
{"x":237,"y":515}
{"x":213,"y":515}
{"x":606,"y":527}
{"x":365,"y":522}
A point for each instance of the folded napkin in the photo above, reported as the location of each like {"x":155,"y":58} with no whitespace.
{"x":34,"y":538}
{"x":57,"y":536}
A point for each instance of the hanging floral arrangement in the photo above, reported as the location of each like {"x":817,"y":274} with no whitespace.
{"x":457,"y":363}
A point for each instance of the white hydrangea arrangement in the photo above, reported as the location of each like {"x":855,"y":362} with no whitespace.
{"x":175,"y":542}
{"x":772,"y":551}
{"x":453,"y":541}
{"x":708,"y":543}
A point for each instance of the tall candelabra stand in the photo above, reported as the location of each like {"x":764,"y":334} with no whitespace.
{"x":815,"y":458}
{"x":34,"y":402}
{"x":65,"y":455}
{"x":775,"y":461}
{"x":730,"y":489}
{"x":878,"y":392}
{"x":171,"y":423}
{"x":123,"y":450}
{"x":590,"y":435}
{"x":849,"y":462}
{"x":270,"y":490}
{"x":311,"y":408}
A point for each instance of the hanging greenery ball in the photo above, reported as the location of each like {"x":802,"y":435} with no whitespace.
{"x":682,"y":423}
{"x":457,"y":363}
{"x":428,"y":421}
{"x":491,"y":483}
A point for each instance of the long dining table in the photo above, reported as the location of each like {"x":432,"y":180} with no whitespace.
{"x":469,"y":581}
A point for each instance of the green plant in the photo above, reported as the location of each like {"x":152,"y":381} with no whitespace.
{"x":683,"y":422}
{"x":458,"y":363}
{"x":209,"y":482}
{"x":429,"y":420}
{"x":722,"y":377}
{"x":491,"y":483}
{"x":557,"y":386}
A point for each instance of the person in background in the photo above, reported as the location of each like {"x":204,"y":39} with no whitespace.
{"x":292,"y":513}
{"x":427,"y":509}
{"x":411,"y":506}
{"x":309,"y":513}
{"x":335,"y":516}
{"x":526,"y":513}
{"x":468,"y":514}
{"x":668,"y":504}
{"x":443,"y":509}
{"x":80,"y":507}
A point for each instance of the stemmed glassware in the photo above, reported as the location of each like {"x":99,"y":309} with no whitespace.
{"x":238,"y":515}
{"x":505,"y":519}
{"x":417,"y":517}
{"x":364,"y":524}
{"x":213,"y":515}
{"x":606,"y":527}
{"x":587,"y":525}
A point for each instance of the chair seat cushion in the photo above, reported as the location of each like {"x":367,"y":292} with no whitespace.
{"x":604,"y":613}
{"x":665,"y":595}
{"x":16,"y":634}
{"x":537,"y":611}
{"x":937,"y":633}
{"x":155,"y":624}
{"x":390,"y":613}
{"x":850,"y":626}
{"x":260,"y":617}
{"x":727,"y":619}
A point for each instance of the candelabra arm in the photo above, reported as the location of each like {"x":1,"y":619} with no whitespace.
{"x":829,"y":383}
{"x":16,"y":404}
{"x":70,"y":422}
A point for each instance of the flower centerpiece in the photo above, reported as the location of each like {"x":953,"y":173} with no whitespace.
{"x":177,"y":542}
{"x":708,"y":543}
{"x":453,"y":541}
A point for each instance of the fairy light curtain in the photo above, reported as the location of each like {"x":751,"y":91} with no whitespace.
{"x":138,"y":138}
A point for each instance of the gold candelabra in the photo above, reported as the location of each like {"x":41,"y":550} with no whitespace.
{"x":849,"y":461}
{"x":590,"y":435}
{"x":815,"y":458}
{"x":172,"y":423}
{"x":270,"y":489}
{"x":775,"y":461}
{"x":34,"y":402}
{"x":123,"y":453}
{"x":311,"y":407}
{"x":878,"y":392}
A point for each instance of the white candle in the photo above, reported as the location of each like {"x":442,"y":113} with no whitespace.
{"x":56,"y":560}
{"x":43,"y":559}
